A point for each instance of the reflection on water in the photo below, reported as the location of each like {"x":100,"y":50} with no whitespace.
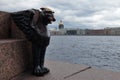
{"x":97,"y":51}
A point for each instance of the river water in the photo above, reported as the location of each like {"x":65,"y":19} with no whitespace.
{"x":96,"y":51}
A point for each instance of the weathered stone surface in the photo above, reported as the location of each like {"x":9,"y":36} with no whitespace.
{"x":96,"y":74}
{"x":14,"y":57}
{"x":58,"y":71}
{"x":5,"y":24}
{"x":65,"y":71}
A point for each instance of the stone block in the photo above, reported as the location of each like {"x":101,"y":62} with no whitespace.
{"x":14,"y":57}
{"x":5,"y":24}
{"x":8,"y":28}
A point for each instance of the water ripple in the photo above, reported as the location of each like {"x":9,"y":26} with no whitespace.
{"x":97,"y":51}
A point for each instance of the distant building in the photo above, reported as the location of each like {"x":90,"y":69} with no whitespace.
{"x":108,"y":31}
{"x":55,"y":31}
{"x":115,"y":31}
{"x":61,"y":25}
{"x":71,"y":32}
{"x":74,"y":31}
{"x":78,"y":31}
{"x":95,"y":32}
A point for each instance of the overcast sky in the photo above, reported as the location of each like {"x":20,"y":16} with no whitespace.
{"x":93,"y":14}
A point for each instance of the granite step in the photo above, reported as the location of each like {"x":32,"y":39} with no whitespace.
{"x":68,"y":71}
{"x":58,"y":71}
{"x":14,"y":57}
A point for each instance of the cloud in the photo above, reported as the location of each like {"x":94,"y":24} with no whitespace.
{"x":79,"y":13}
{"x":13,"y":5}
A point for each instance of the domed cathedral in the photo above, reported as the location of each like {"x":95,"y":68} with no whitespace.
{"x":61,"y":25}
